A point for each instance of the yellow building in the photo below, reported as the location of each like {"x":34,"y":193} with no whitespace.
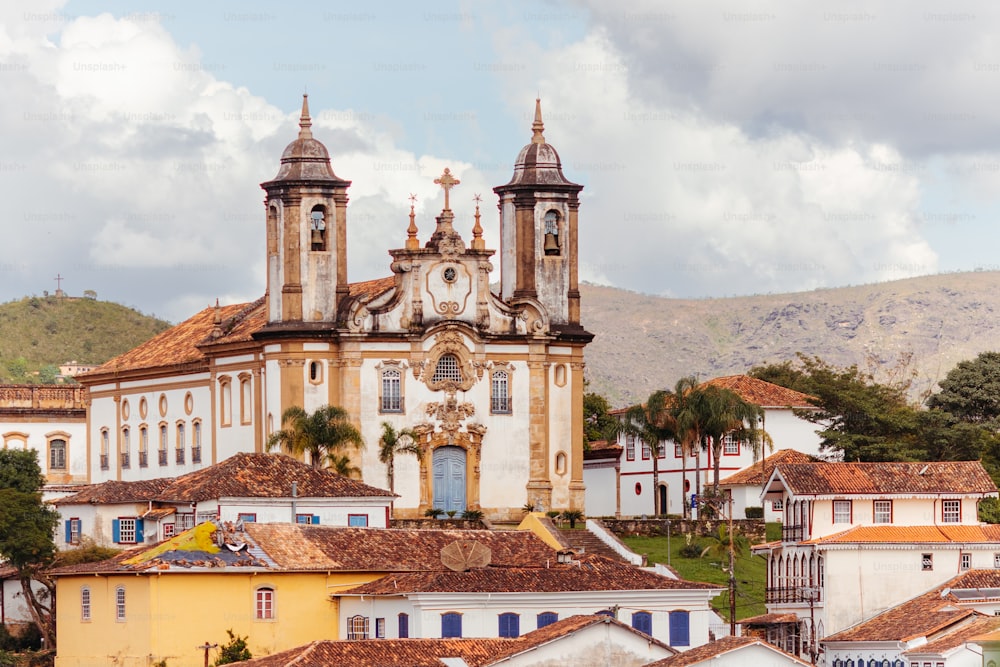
{"x":271,"y":583}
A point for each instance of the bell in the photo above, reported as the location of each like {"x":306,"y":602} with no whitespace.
{"x":317,"y":237}
{"x":551,"y":244}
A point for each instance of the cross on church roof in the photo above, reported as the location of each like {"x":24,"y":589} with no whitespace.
{"x":447,"y":182}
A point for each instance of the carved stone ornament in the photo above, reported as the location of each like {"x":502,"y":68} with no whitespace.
{"x":449,"y":342}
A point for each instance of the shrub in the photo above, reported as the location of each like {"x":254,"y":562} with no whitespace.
{"x":572,"y":516}
{"x":433,"y":512}
{"x":235,"y":651}
{"x":472,"y":515}
{"x":755,"y":512}
{"x":691,"y":551}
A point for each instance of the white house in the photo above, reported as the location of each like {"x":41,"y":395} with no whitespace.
{"x":733,"y":651}
{"x":859,"y":538}
{"x":582,"y":641}
{"x":934,"y":628}
{"x":745,"y":486}
{"x":52,"y":420}
{"x":630,"y":491}
{"x":469,"y":598}
{"x":245,"y":487}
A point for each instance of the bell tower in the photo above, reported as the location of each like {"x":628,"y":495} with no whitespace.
{"x":538,"y":230}
{"x":306,"y":206}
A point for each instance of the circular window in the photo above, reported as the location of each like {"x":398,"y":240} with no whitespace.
{"x":143,"y":408}
{"x":638,"y":488}
{"x":125,"y":409}
{"x":163,"y":405}
{"x":188,"y":403}
{"x":450,"y":274}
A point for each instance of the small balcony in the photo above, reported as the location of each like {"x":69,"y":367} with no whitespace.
{"x":196,"y":455}
{"x":179,"y":455}
{"x":104,"y":462}
{"x":143,"y":459}
{"x":792,"y":533}
{"x":163,"y":457}
{"x":125,"y":460}
{"x":794,"y":595}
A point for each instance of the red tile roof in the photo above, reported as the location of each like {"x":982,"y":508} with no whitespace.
{"x":710,"y":651}
{"x":762,"y":393}
{"x":244,"y":475}
{"x":888,"y":534}
{"x":958,"y":637}
{"x":594,"y":573}
{"x":602,"y":449}
{"x":949,"y":477}
{"x":758,"y":473}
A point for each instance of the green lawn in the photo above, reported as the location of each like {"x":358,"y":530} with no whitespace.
{"x":750,"y":570}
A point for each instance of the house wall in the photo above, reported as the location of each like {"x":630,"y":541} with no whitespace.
{"x":754,"y":654}
{"x":594,"y":646}
{"x":786,"y":430}
{"x":905,"y":512}
{"x":34,"y":428}
{"x":600,"y":478}
{"x":168,"y":615}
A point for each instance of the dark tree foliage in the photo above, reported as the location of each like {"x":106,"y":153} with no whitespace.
{"x":597,"y":423}
{"x":26,"y":529}
{"x":971,"y":391}
{"x":234,"y":651}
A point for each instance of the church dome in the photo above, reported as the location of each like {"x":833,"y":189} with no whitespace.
{"x":305,"y":158}
{"x":538,"y":163}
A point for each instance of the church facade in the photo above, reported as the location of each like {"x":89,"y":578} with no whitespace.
{"x":490,"y":383}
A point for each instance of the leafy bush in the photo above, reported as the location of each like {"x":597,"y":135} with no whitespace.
{"x":472,"y":515}
{"x":552,"y":514}
{"x":755,"y":512}
{"x":235,"y":651}
{"x":433,"y":512}
{"x":572,"y":516}
{"x":989,"y":510}
{"x":691,"y":551}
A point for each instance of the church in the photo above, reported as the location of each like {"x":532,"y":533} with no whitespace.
{"x":491,"y":383}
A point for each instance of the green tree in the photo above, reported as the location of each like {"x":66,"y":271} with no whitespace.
{"x":724,"y":414}
{"x":235,"y":650}
{"x":859,"y":418}
{"x":394,"y":442}
{"x":26,"y":529}
{"x":651,"y":423}
{"x":687,"y":427}
{"x":323,"y":435}
{"x":597,"y":423}
{"x":971,"y":391}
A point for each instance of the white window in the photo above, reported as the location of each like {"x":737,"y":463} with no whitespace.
{"x":74,"y":531}
{"x":778,"y":505}
{"x":57,"y":454}
{"x":500,"y":393}
{"x":392,"y":397}
{"x":184,"y":521}
{"x":265,"y":604}
{"x":951,"y":511}
{"x":379,"y":628}
{"x":927,"y":562}
{"x":966,"y":562}
{"x":730,"y":445}
{"x":126,"y":528}
{"x":645,"y":449}
{"x":630,"y":447}
{"x":120,"y":603}
{"x":168,"y":531}
{"x":85,"y":603}
{"x":841,"y":511}
{"x":883,"y":511}
{"x":357,"y":627}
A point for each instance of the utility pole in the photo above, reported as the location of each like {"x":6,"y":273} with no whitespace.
{"x":206,"y":647}
{"x":732,"y":567}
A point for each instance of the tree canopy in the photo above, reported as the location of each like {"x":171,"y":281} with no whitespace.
{"x":323,"y":434}
{"x":971,"y":391}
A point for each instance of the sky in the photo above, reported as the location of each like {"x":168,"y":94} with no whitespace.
{"x":725,"y":148}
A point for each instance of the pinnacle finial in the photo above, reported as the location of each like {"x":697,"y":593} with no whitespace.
{"x":477,"y":231}
{"x":537,"y":127}
{"x":411,"y":232}
{"x":305,"y":122}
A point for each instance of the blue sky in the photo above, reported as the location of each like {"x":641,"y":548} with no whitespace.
{"x":725,"y":147}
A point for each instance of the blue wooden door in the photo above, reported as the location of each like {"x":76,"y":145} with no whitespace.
{"x":449,"y":478}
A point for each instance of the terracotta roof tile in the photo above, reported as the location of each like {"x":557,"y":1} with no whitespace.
{"x":602,"y":449}
{"x":958,"y":637}
{"x":595,"y":573}
{"x":241,"y":326}
{"x":712,"y":650}
{"x":301,"y":547}
{"x":888,"y":534}
{"x":762,"y":393}
{"x":758,"y":473}
{"x":906,"y":478}
{"x":370,"y":289}
{"x":113,"y":492}
{"x":768,"y":619}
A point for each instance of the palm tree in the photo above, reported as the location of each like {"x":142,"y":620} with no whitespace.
{"x":395,"y":442}
{"x":341,"y":464}
{"x":725,"y":414}
{"x":322,"y":434}
{"x":653,"y":424}
{"x":687,"y":428}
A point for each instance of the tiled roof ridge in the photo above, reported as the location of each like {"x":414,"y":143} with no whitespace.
{"x":230,"y":323}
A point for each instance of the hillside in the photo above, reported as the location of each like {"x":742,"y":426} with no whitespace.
{"x":644,"y":342}
{"x":36,"y":332}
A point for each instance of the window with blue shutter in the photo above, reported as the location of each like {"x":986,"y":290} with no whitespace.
{"x":357,"y":520}
{"x":116,"y":531}
{"x":680,"y":628}
{"x":69,"y":532}
{"x":404,"y":626}
{"x":547,"y":618}
{"x":510,"y":625}
{"x":643,"y":622}
{"x":451,"y":625}
{"x":315,"y":520}
{"x":139,"y":539}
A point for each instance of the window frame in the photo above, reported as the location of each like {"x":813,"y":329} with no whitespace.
{"x":403,"y":625}
{"x":128,"y":526}
{"x":456,"y":620}
{"x":120,"y":601}
{"x":838,"y":509}
{"x":545,"y":618}
{"x":390,"y":399}
{"x":953,"y":515}
{"x":885,"y":513}
{"x":85,"y":604}
{"x":965,"y":561}
{"x":501,"y":402}
{"x":357,"y":520}
{"x":927,"y":562}
{"x":629,"y":447}
{"x":679,"y":633}
{"x":225,"y":401}
{"x":643,"y":622}
{"x":357,"y":627}
{"x":647,"y":451}
{"x":59,"y":451}
{"x":509,"y":625}
{"x":265,"y":599}
{"x":730,"y":445}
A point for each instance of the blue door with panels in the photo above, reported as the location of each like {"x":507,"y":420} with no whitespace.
{"x":449,"y":479}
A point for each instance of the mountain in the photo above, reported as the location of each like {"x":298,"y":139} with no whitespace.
{"x":644,"y":342}
{"x":37,"y":333}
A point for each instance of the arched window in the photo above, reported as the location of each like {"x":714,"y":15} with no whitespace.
{"x":246,"y":398}
{"x":105,"y":448}
{"x":561,"y":463}
{"x":264,"y":603}
{"x":500,"y":393}
{"x":629,"y":447}
{"x":125,"y":447}
{"x":120,"y":604}
{"x":181,"y":442}
{"x":510,"y":625}
{"x":225,"y":401}
{"x":546,"y":618}
{"x":447,"y":369}
{"x":392,"y":391}
{"x":57,"y":454}
{"x":552,"y":243}
{"x":196,"y":443}
{"x":85,"y":603}
{"x":357,"y":627}
{"x":643,"y":622}
{"x":317,"y":228}
{"x":178,"y":446}
{"x":451,"y":625}
{"x":143,"y":446}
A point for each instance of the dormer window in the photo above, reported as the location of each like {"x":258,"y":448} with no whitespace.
{"x":317,"y":226}
{"x":553,"y":245}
